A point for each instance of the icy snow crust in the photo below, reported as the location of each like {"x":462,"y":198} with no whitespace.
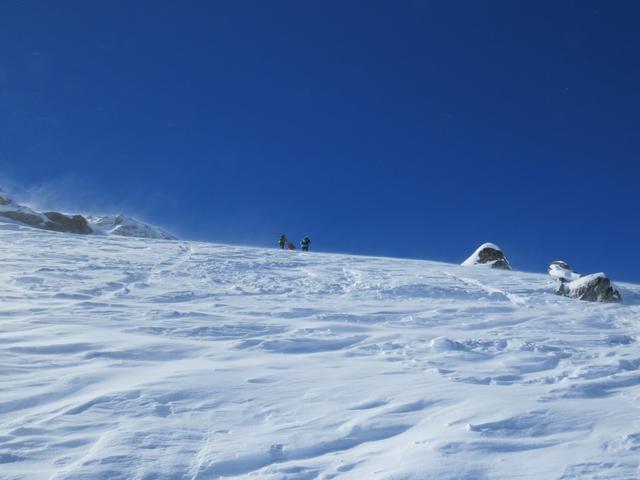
{"x":126,"y":358}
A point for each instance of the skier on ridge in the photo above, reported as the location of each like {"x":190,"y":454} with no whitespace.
{"x":304,"y":244}
{"x":282,"y":241}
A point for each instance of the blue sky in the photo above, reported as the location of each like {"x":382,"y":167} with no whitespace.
{"x":399,"y":128}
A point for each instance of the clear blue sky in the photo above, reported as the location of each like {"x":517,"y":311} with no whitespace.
{"x":403,"y":128}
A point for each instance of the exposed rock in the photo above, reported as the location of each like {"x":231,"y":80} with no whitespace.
{"x":594,"y":288}
{"x":107,"y":224}
{"x":55,"y":221}
{"x":488,"y":254}
{"x":19,"y":213}
{"x":60,"y":222}
{"x":26,"y":217}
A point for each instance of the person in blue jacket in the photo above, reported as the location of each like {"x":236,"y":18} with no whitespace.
{"x":304,"y":244}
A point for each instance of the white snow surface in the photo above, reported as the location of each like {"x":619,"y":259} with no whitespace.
{"x":138,"y":359}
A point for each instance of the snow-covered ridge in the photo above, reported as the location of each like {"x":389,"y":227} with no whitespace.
{"x":137,"y":359}
{"x":126,"y":226}
{"x":120,"y":225}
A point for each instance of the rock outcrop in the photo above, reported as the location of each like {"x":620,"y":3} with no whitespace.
{"x":26,"y":217}
{"x":56,"y":221}
{"x":488,"y":254}
{"x":594,"y":288}
{"x":60,"y":222}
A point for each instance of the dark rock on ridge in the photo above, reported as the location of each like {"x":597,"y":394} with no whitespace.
{"x":56,"y":221}
{"x":488,"y":254}
{"x":60,"y":222}
{"x":120,"y":225}
{"x":31,"y":219}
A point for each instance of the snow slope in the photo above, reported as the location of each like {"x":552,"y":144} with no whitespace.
{"x":127,"y":358}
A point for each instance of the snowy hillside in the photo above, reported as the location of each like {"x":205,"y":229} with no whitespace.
{"x":126,"y":358}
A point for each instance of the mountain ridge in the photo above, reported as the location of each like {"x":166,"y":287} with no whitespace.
{"x":120,"y":225}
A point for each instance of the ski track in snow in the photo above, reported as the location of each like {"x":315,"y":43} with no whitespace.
{"x":124,"y":358}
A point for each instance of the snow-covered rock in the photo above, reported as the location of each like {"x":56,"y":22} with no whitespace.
{"x":124,"y":226}
{"x":488,"y":254}
{"x":562,"y":271}
{"x":595,"y":288}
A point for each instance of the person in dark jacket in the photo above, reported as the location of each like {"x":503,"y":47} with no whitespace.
{"x":283,"y":241}
{"x":304,"y":244}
